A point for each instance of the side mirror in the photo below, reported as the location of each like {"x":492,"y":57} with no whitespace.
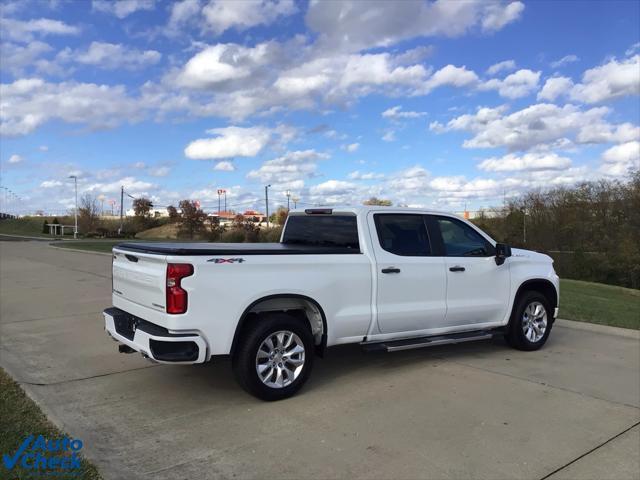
{"x":502,"y":252}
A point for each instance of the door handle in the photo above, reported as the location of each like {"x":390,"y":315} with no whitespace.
{"x":457,"y":268}
{"x":391,"y":270}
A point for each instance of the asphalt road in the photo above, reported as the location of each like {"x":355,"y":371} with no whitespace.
{"x":479,"y":410}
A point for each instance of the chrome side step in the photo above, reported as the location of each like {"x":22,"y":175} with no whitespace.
{"x":421,"y":342}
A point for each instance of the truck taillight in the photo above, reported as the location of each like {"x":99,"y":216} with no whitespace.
{"x":176,"y":295}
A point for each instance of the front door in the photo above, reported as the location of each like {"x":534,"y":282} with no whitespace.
{"x":478,"y":290}
{"x":411,"y":282}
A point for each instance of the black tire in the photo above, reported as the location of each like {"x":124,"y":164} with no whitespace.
{"x":515,"y":335}
{"x":244,"y":359}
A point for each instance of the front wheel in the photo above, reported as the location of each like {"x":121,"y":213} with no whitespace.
{"x":530,"y":323}
{"x":275,"y":357}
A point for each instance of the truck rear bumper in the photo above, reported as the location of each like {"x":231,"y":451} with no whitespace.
{"x":152,"y":341}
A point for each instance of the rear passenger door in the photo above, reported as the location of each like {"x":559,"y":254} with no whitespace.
{"x":477,"y":288}
{"x":411,"y":282}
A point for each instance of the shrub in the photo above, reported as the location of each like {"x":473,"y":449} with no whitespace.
{"x":271,"y":235}
{"x":235,"y":235}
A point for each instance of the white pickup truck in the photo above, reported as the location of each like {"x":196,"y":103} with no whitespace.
{"x":386,"y":278}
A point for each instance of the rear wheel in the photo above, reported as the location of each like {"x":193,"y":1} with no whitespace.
{"x":275,"y":357}
{"x":530,"y":323}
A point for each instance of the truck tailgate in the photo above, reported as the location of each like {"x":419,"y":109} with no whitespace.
{"x":140,"y":278}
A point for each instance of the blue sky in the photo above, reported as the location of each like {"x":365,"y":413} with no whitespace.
{"x":435,"y":104}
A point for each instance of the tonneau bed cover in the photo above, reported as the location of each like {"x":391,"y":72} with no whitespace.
{"x":233,"y":249}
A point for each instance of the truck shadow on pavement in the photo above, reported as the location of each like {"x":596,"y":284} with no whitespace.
{"x":350,"y":362}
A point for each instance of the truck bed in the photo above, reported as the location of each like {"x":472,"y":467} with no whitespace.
{"x":192,"y":249}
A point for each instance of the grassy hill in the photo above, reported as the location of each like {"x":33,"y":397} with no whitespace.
{"x":27,"y":226}
{"x":600,"y":303}
{"x":164,"y":232}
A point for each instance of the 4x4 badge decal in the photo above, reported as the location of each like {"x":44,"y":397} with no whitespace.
{"x":226,"y":260}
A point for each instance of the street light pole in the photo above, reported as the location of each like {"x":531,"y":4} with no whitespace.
{"x":288,"y":197}
{"x":121,"y":209}
{"x":266,"y":202}
{"x":75,"y":213}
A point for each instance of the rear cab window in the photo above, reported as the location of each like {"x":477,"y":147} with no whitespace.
{"x":322,"y":231}
{"x":403,"y":234}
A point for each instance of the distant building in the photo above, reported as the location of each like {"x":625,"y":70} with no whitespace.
{"x":227,"y":217}
{"x":159,"y":212}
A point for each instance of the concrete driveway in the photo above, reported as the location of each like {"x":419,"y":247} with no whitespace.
{"x":571,"y":410}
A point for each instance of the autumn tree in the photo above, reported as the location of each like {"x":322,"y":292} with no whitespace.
{"x":192,"y":219}
{"x":246,"y":225}
{"x":281,"y":215}
{"x":142,"y":207}
{"x":174,"y":216}
{"x":591,"y":229}
{"x":215,"y":229}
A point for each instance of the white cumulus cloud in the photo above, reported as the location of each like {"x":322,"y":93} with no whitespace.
{"x":358,"y":175}
{"x":122,"y":8}
{"x":541,"y":126}
{"x":555,"y":87}
{"x":609,"y":81}
{"x":289,"y":170}
{"x":528,"y":161}
{"x":360,"y":24}
{"x":396,"y":112}
{"x":30,"y":102}
{"x":564,"y":61}
{"x":352,"y":147}
{"x":221,"y":15}
{"x":504,"y":66}
{"x":518,"y":84}
{"x":497,"y":15}
{"x":25,"y":30}
{"x":619,"y":159}
{"x":111,"y":56}
{"x":229,"y":142}
{"x":224,"y":166}
{"x":452,"y":76}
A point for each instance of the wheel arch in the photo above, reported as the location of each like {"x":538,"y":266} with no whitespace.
{"x":541,"y":285}
{"x":311,"y":310}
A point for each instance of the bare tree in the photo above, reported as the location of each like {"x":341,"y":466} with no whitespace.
{"x":88,"y":214}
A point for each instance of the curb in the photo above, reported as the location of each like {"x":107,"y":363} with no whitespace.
{"x":89,"y":252}
{"x":596,"y":328}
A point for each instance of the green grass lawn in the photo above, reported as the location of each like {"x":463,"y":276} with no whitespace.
{"x":599,"y":303}
{"x":21,"y":417}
